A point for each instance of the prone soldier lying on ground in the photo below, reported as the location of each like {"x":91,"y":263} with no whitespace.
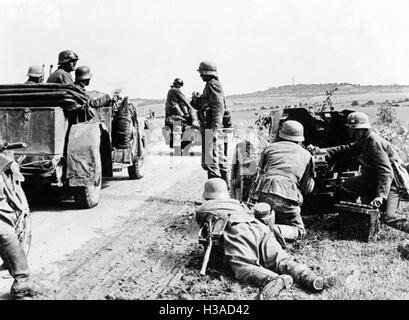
{"x":250,"y":248}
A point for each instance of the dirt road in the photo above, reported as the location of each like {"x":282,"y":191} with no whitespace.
{"x":125,"y":247}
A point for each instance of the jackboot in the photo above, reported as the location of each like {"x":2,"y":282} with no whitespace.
{"x":275,"y":286}
{"x":16,"y":261}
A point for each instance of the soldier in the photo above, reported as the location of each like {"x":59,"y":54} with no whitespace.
{"x":13,"y":254}
{"x":35,"y":75}
{"x":376,"y":184}
{"x":83,"y":76}
{"x":67,"y":61}
{"x":286,"y":171}
{"x":213,"y":104}
{"x":255,"y":256}
{"x":178,"y":107}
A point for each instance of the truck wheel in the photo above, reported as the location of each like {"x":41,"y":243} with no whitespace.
{"x":137,"y":169}
{"x":87,"y":197}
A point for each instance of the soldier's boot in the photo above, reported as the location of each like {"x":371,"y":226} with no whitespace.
{"x":16,"y":261}
{"x":275,"y":286}
{"x":305,"y":276}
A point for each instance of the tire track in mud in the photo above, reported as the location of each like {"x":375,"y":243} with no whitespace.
{"x":140,"y":256}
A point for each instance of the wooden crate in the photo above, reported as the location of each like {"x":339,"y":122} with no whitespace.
{"x":357,"y":221}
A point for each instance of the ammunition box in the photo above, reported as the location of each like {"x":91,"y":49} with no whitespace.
{"x":357,"y":221}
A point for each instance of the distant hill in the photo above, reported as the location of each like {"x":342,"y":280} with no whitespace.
{"x":311,"y":90}
{"x":300,"y":91}
{"x":147,"y":102}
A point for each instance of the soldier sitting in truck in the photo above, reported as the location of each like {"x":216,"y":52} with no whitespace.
{"x":250,"y":247}
{"x":96,"y":100}
{"x":178,"y":107}
{"x":67,"y":61}
{"x":35,"y":75}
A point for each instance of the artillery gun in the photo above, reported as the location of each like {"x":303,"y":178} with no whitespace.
{"x":322,"y":129}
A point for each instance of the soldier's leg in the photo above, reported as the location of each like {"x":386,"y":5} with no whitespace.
{"x":15,"y":259}
{"x":288,"y":218}
{"x":276,"y":259}
{"x":209,"y":158}
{"x":389,"y":216}
{"x":241,"y":249}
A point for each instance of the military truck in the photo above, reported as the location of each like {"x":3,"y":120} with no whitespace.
{"x":322,"y":129}
{"x":65,"y":148}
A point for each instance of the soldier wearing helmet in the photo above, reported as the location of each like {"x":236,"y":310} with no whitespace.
{"x":249,"y":246}
{"x":67,"y":61}
{"x":285,"y":175}
{"x":213,"y":105}
{"x":35,"y":74}
{"x":376,"y":184}
{"x":96,"y":99}
{"x":177,"y":107}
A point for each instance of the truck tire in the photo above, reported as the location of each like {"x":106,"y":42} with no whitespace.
{"x":137,"y":169}
{"x":86,"y":197}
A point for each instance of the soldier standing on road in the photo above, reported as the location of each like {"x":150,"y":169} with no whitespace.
{"x":67,"y":61}
{"x":214,"y":158}
{"x":376,"y":185}
{"x":35,"y":75}
{"x":286,"y":171}
{"x":177,"y":107}
{"x":255,"y":256}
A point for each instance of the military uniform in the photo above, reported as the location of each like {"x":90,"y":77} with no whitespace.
{"x":11,"y":251}
{"x":375,"y":155}
{"x":287,"y":171}
{"x":177,"y":105}
{"x":214,"y":158}
{"x":60,"y":76}
{"x":95,"y":100}
{"x":251,"y":249}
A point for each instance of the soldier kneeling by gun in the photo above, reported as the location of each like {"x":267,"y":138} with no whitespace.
{"x":249,"y":246}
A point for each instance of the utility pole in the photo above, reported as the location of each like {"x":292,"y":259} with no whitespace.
{"x":293,"y":81}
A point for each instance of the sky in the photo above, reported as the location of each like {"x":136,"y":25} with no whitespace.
{"x":141,"y":46}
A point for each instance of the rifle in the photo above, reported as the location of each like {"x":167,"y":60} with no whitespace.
{"x":214,"y":235}
{"x":208,"y":249}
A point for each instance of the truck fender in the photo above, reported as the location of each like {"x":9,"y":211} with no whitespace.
{"x":83,"y":154}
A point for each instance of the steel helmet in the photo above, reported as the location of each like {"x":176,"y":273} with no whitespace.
{"x":178,"y":81}
{"x":358,"y":120}
{"x":207,"y":68}
{"x":66,"y":56}
{"x":292,"y":130}
{"x":35,"y":71}
{"x":215,"y":188}
{"x":83,"y":73}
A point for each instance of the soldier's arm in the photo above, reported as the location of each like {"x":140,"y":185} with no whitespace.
{"x":335,"y":151}
{"x":183,"y":100}
{"x":307,"y":181}
{"x":261,"y":162}
{"x":383,"y":167}
{"x":98,"y":99}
